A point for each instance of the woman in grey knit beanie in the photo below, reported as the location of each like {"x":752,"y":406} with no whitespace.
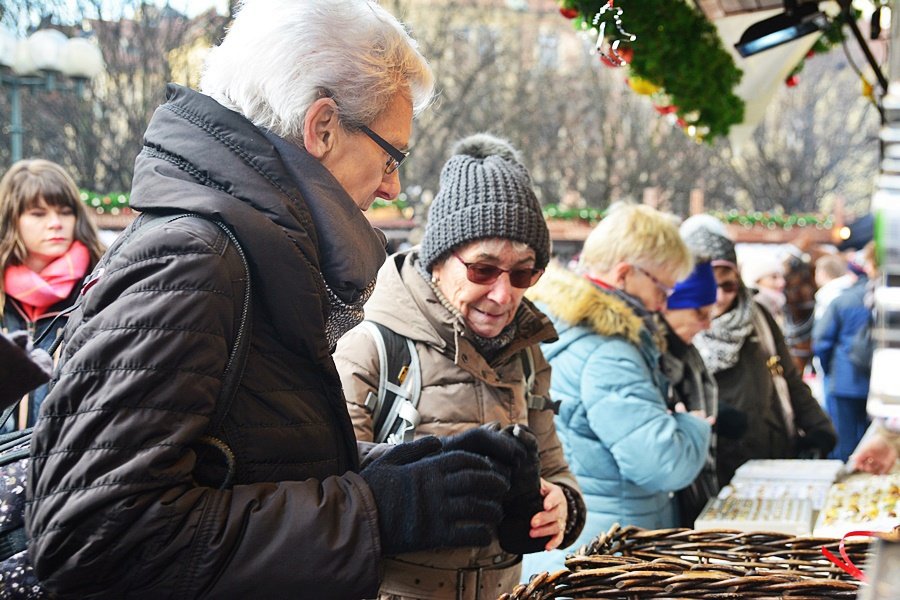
{"x":460,"y":299}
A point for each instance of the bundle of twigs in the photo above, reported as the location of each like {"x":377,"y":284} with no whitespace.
{"x":632,"y":563}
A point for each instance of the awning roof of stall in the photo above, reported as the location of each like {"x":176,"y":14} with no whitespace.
{"x":764,"y":73}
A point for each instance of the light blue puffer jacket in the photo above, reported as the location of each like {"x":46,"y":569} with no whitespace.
{"x":627,"y":451}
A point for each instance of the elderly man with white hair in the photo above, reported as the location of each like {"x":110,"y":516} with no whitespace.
{"x":153,"y":476}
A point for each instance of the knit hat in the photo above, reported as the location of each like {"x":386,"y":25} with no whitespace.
{"x":698,"y":289}
{"x":485,"y":192}
{"x":707,"y":239}
{"x":757,"y":266}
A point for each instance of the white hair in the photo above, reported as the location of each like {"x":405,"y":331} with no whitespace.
{"x":280,"y":56}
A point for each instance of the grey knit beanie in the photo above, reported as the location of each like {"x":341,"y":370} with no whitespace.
{"x":706,"y":237}
{"x":485,"y":192}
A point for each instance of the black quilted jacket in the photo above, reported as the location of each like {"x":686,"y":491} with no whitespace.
{"x":116,"y":508}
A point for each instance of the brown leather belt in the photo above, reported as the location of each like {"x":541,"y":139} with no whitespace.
{"x":410,"y":579}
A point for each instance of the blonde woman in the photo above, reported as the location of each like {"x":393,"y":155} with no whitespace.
{"x":47,"y":245}
{"x":627,"y":450}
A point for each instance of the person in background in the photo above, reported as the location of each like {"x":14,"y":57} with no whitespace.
{"x":629,"y":452}
{"x":837,"y":343}
{"x":304,"y":118}
{"x":460,"y":297}
{"x":47,"y":246}
{"x":832,"y":277}
{"x":745,"y":351}
{"x":765,"y":275}
{"x":879,"y":448}
{"x":693,"y":389}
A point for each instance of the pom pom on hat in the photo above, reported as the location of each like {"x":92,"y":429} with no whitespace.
{"x":696,"y":290}
{"x":482,"y":145}
{"x":485,"y":192}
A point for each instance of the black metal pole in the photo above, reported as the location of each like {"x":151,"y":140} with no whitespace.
{"x":870,"y":58}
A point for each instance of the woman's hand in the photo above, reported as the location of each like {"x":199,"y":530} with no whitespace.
{"x":552,"y":520}
{"x":875,"y":454}
{"x":699,"y":413}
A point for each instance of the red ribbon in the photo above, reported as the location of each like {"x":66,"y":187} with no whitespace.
{"x":847,"y":564}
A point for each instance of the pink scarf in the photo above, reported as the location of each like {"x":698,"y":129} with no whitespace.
{"x":39,"y":291}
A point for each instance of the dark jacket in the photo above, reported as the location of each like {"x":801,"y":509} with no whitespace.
{"x":833,"y":337}
{"x":14,"y":319}
{"x":694,"y":387}
{"x":748,"y":387}
{"x":117,"y":510}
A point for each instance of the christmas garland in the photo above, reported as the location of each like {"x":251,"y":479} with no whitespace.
{"x":106,"y":204}
{"x":589,"y":215}
{"x":774,"y":220}
{"x":115,"y":204}
{"x":676,"y":57}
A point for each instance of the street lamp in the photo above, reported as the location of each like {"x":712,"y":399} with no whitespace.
{"x":36,"y":62}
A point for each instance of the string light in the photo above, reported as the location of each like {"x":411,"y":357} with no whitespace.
{"x":612,"y":56}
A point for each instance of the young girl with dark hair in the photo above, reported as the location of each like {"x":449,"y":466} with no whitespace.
{"x":47,"y":246}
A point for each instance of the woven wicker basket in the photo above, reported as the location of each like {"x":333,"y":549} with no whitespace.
{"x":631,"y":563}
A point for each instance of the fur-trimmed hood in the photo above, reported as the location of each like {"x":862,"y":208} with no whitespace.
{"x":575,"y":300}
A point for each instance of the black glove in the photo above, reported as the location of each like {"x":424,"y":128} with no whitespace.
{"x":731,"y":423}
{"x":22,"y":368}
{"x":503,"y":450}
{"x":815,"y":444}
{"x":432,"y":499}
{"x":523,"y":500}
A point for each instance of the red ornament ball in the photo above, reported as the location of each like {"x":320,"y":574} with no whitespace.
{"x":569,"y":13}
{"x":792,"y":80}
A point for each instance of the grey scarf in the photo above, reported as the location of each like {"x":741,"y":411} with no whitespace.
{"x":720,"y":345}
{"x":350,"y":250}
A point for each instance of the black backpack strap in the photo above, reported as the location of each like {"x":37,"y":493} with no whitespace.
{"x":395,"y":415}
{"x":237,"y":362}
{"x":237,"y":357}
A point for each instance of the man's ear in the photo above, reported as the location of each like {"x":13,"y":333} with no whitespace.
{"x":320,"y":127}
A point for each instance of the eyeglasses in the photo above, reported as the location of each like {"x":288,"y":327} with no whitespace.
{"x":729,"y":287}
{"x":485,"y":274}
{"x":663,"y":288}
{"x":396,"y":157}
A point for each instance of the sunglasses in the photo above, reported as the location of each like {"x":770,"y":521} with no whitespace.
{"x":729,"y":287}
{"x":395,"y":156}
{"x":663,"y":288}
{"x":485,"y":274}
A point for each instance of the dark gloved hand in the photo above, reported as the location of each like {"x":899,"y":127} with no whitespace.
{"x":524,"y":499}
{"x":503,"y":450}
{"x":815,"y":444}
{"x":22,"y":368}
{"x":731,"y":423}
{"x":432,"y":499}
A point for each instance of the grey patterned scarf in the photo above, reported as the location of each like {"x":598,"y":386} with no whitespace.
{"x":721,"y":344}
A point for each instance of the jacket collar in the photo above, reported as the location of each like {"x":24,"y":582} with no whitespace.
{"x":200,"y":157}
{"x":578,"y":301}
